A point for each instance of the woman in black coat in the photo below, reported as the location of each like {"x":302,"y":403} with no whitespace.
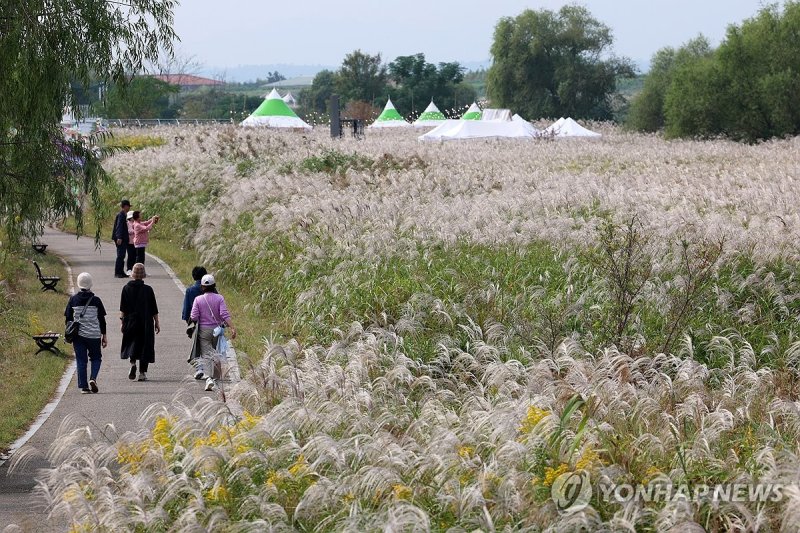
{"x":139,"y":316}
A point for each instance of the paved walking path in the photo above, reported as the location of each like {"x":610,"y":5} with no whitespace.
{"x":119,"y":401}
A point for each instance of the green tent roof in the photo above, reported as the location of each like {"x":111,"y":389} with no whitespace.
{"x":473,"y":113}
{"x":389,"y":113}
{"x":273,"y":106}
{"x":431,"y":113}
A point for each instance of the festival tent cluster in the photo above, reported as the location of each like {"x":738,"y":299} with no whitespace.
{"x":274,"y":113}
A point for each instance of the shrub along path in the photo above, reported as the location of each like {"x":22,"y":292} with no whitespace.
{"x":120,"y":401}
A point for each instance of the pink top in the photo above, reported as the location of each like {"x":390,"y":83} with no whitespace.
{"x":209,"y":310}
{"x":141,"y":232}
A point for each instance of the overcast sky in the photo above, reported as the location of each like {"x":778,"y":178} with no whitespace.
{"x":320,"y":32}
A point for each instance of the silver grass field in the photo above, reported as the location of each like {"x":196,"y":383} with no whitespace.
{"x":463,"y":323}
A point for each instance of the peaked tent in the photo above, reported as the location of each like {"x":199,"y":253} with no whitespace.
{"x":389,"y":118}
{"x":274,"y":113}
{"x":566,"y":127}
{"x":473,"y":113}
{"x":496,"y":114}
{"x":290,"y":100}
{"x":481,"y":129}
{"x":430,"y":117}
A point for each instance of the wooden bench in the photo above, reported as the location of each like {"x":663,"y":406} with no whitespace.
{"x":39,"y":247}
{"x":47,"y":342}
{"x":48,"y":282}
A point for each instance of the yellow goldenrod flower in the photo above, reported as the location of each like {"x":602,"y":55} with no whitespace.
{"x":550,"y":474}
{"x":532,"y":418}
{"x":401,"y":492}
{"x":466,"y":451}
{"x":651,"y":473}
{"x":300,"y":466}
{"x":589,"y":458}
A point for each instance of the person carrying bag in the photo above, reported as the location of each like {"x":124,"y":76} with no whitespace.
{"x":212,"y":317}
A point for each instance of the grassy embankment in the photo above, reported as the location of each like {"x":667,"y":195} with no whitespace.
{"x":29,"y":379}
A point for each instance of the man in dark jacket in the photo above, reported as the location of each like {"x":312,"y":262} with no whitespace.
{"x":192,"y":292}
{"x":121,"y":238}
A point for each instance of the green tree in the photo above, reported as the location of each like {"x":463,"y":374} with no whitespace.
{"x":693,"y":100}
{"x":317,"y":97}
{"x":647,"y":109}
{"x":144,"y":97}
{"x":361,"y":77}
{"x":45,"y":46}
{"x":218,"y":105}
{"x":548,"y":64}
{"x":760,"y":60}
{"x":747,"y":89}
{"x":417,"y":82}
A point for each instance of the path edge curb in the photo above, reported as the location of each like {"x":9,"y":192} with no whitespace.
{"x":48,"y":409}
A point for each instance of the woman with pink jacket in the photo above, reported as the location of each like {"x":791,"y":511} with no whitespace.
{"x":141,"y":234}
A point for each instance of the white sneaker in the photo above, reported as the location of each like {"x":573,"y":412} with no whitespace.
{"x":199,"y":375}
{"x":128,"y":272}
{"x":209,"y":384}
{"x":142,"y":376}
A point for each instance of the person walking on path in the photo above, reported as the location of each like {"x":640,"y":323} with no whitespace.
{"x":91,"y":332}
{"x":139,"y":315}
{"x":131,"y":246}
{"x":211,"y":314}
{"x":121,"y":238}
{"x":141,"y":234}
{"x":192,"y":292}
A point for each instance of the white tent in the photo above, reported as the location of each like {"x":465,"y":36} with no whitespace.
{"x":389,"y":118}
{"x":274,"y":113}
{"x":290,"y":100}
{"x":566,"y":127}
{"x":429,"y":118}
{"x":481,"y":129}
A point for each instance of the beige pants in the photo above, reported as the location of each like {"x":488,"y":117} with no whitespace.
{"x":212,"y":364}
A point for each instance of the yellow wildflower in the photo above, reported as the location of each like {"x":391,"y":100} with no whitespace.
{"x":217,"y":493}
{"x":466,"y":451}
{"x":588,"y":459}
{"x":161,"y":433}
{"x":650,"y":474}
{"x":401,"y":492}
{"x":550,"y":474}
{"x":274,"y":478}
{"x":300,"y":466}
{"x":532,"y":418}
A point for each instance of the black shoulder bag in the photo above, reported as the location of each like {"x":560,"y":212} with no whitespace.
{"x":74,"y":325}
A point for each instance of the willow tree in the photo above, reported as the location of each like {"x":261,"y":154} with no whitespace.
{"x":550,"y":64}
{"x":48,"y":49}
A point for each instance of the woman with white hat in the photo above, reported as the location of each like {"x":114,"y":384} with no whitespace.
{"x":211,"y":314}
{"x":88,"y":309}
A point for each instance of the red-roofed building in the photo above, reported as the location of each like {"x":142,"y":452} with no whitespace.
{"x":188,"y":81}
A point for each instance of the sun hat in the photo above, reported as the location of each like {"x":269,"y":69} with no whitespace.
{"x":84,"y":280}
{"x":129,"y":215}
{"x":123,"y":203}
{"x":207,"y":281}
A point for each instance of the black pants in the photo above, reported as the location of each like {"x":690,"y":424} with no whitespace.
{"x":131,"y":256}
{"x":140,"y":255}
{"x":119,"y":265}
{"x":142,"y":365}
